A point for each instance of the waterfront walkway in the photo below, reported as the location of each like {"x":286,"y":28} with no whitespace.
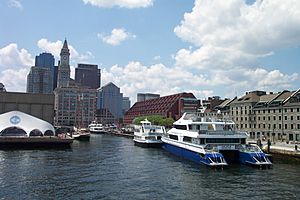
{"x":282,"y":148}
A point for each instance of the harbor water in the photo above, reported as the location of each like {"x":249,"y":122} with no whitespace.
{"x":110,"y":167}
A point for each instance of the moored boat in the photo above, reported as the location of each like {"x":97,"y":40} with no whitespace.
{"x":212,"y":142}
{"x":148,"y":135}
{"x":96,"y":128}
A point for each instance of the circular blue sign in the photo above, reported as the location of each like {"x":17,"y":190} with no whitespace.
{"x":15,"y":119}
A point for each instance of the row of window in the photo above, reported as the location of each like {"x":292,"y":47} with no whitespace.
{"x":259,"y":118}
{"x":264,"y":111}
{"x":286,"y":126}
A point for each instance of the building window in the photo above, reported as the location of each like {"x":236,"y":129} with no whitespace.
{"x":291,"y":109}
{"x":279,"y":117}
{"x":285,"y":110}
{"x":258,"y":125}
{"x":241,"y":125}
{"x":298,"y":109}
{"x":237,"y":119}
{"x":285,"y":117}
{"x":264,"y":125}
{"x":254,"y":125}
{"x":298,"y":126}
{"x":241,"y":118}
{"x":285,"y":126}
{"x":292,"y":126}
{"x":241,"y":112}
{"x":269,"y":111}
{"x":258,"y":111}
{"x":279,"y":126}
{"x":264,"y":118}
{"x":298,"y":117}
{"x":258,"y":118}
{"x":292,"y":118}
{"x":245,"y":118}
{"x":279,"y":111}
{"x":274,"y":126}
{"x":274,"y":111}
{"x":274,"y":117}
{"x":269,"y":118}
{"x":264,"y":111}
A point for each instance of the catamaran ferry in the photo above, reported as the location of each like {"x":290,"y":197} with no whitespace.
{"x":211,"y":142}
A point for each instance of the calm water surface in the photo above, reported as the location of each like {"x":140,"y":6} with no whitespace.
{"x":110,"y":167}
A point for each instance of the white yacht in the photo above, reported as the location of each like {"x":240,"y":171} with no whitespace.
{"x":148,"y":135}
{"x":95,"y":127}
{"x":211,"y":142}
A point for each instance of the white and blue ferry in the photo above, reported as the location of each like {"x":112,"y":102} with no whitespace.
{"x":211,"y":142}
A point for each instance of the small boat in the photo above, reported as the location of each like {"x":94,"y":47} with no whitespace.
{"x":97,"y":128}
{"x":211,"y":142}
{"x":81,"y":135}
{"x":148,"y":135}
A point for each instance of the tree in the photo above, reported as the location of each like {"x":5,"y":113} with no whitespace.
{"x":155,"y":120}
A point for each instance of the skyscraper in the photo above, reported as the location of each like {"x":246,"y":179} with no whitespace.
{"x":46,"y":60}
{"x":88,"y":75}
{"x":110,"y":98}
{"x":39,"y":80}
{"x":126,"y":104}
{"x":63,"y":76}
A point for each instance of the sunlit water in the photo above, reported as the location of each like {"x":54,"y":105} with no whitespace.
{"x":110,"y":167}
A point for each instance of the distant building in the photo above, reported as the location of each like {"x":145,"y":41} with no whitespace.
{"x":75,"y":106}
{"x":111,"y":99}
{"x":168,"y":106}
{"x":63,"y":74}
{"x":88,"y":75}
{"x":46,"y":60}
{"x":39,"y":80}
{"x":38,"y":105}
{"x":2,"y":88}
{"x":146,"y":96}
{"x":212,"y":102}
{"x":126,"y":104}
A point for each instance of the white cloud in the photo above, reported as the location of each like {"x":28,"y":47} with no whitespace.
{"x":15,"y":4}
{"x":117,"y":36}
{"x":55,"y":48}
{"x":156,"y":58}
{"x":229,"y":37}
{"x":14,"y":66}
{"x":120,"y":3}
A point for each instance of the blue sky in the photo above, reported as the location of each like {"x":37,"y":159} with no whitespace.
{"x":207,"y":47}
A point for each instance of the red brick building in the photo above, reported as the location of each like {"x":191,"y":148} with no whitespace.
{"x":168,"y":106}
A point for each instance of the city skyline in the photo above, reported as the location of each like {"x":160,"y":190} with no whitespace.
{"x":210,"y":48}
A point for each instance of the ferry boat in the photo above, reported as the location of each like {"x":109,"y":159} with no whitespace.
{"x":148,"y":135}
{"x":212,"y":142}
{"x":97,"y":128}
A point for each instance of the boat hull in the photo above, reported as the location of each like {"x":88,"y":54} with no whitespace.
{"x":148,"y":144}
{"x":82,"y":137}
{"x":262,"y":159}
{"x":188,"y":154}
{"x":98,"y":132}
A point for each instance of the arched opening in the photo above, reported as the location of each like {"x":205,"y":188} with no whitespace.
{"x":13,"y":131}
{"x":48,"y":133}
{"x":35,"y":132}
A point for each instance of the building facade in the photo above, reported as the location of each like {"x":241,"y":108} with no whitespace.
{"x":273,"y":116}
{"x":168,"y":106}
{"x":75,"y":106}
{"x":111,"y":99}
{"x":146,"y":96}
{"x":125,"y":104}
{"x":38,"y":105}
{"x":88,"y":75}
{"x":39,"y":80}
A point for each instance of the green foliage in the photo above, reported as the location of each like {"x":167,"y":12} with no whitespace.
{"x":155,"y":119}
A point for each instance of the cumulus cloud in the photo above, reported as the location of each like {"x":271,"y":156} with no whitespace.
{"x":15,"y":64}
{"x":116,"y":37}
{"x":136,"y":77}
{"x":120,"y":3}
{"x":16,"y":4}
{"x":55,"y":48}
{"x":229,"y":38}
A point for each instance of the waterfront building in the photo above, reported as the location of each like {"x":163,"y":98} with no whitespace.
{"x":273,"y":116}
{"x":75,"y":106}
{"x":146,"y":96}
{"x":88,"y":75}
{"x":38,"y":105}
{"x":63,"y":74}
{"x":111,"y":99}
{"x":126,"y":104}
{"x":39,"y":80}
{"x":168,"y":106}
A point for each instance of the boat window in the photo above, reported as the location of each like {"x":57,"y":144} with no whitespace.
{"x":35,"y":132}
{"x":13,"y":131}
{"x":181,"y":127}
{"x":187,"y":139}
{"x":222,"y":140}
{"x":49,"y":133}
{"x":174,"y":137}
{"x":202,"y":141}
